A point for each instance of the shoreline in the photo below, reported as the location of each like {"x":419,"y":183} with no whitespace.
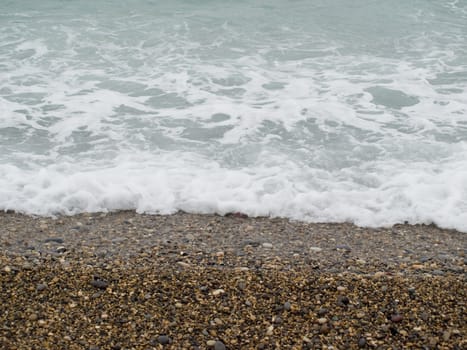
{"x":123,"y":280}
{"x":124,"y":234}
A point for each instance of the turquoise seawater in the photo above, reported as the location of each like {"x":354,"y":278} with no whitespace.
{"x":314,"y":110}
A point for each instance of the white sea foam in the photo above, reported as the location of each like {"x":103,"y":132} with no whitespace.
{"x":266,"y":109}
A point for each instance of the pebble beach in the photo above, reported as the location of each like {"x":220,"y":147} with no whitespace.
{"x":129,"y":281}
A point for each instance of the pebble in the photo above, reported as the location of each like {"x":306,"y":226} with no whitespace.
{"x":343,"y":300}
{"x":322,"y":311}
{"x":61,"y":249}
{"x":287,"y":306}
{"x":211,"y":343}
{"x":241,"y":285}
{"x":341,"y":288}
{"x":100,"y":284}
{"x":164,"y":339}
{"x":397,"y":318}
{"x":183,"y":264}
{"x":438,"y":272}
{"x":218,"y":345}
{"x":322,"y":320}
{"x":41,"y":286}
{"x":190,"y":237}
{"x":379,"y":274}
{"x":418,"y":266}
{"x":316,"y":249}
{"x":217,"y":292}
{"x":267,"y":245}
{"x":361,"y":342}
{"x":277,"y":319}
{"x":324,"y":329}
{"x":54,"y":240}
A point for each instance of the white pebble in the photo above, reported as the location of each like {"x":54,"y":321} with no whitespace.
{"x":218,"y":292}
{"x":322,"y":320}
{"x":316,"y":249}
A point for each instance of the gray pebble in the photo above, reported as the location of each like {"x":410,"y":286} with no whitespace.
{"x":241,"y":285}
{"x":119,"y":240}
{"x":438,"y":272}
{"x":54,"y":240}
{"x":41,"y":286}
{"x":219,"y":345}
{"x":100,"y":284}
{"x":287,"y":306}
{"x":322,"y":311}
{"x":361,"y":342}
{"x":164,"y":339}
{"x":278,"y":320}
{"x":250,"y":242}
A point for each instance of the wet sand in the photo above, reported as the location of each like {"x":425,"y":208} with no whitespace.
{"x":128,"y":281}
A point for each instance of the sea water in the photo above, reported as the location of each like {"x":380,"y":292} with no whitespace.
{"x":316,"y":110}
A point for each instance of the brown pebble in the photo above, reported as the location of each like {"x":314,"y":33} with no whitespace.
{"x":397,"y":318}
{"x":324,"y":329}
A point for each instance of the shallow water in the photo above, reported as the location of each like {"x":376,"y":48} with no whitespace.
{"x":313,"y":110}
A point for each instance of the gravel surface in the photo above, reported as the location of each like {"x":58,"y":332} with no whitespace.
{"x":129,"y":281}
